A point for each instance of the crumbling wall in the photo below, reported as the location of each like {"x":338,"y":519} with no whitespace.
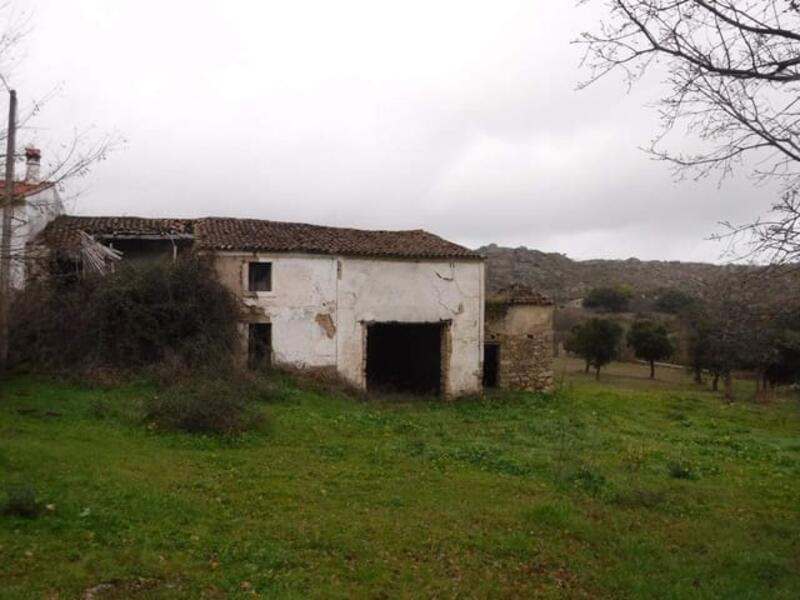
{"x":408,"y":291}
{"x":29,"y":216}
{"x":301,"y":305}
{"x":320,"y":307}
{"x":524,"y":333}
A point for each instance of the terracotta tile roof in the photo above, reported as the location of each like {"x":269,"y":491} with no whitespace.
{"x":519,"y":294}
{"x":23,"y":188}
{"x":272,"y":236}
{"x":216,"y":233}
{"x":62,"y":232}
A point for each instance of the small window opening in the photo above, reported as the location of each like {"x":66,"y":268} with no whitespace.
{"x":259,"y":345}
{"x":259,"y":277}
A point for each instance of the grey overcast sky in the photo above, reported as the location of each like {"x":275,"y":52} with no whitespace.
{"x":460,"y":117}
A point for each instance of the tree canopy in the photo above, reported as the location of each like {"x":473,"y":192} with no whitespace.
{"x":596,"y":341}
{"x":612,"y":299}
{"x":674,"y":301}
{"x":650,"y":342}
{"x":746,"y":322}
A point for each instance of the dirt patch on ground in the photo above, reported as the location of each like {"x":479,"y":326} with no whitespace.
{"x":120,"y":588}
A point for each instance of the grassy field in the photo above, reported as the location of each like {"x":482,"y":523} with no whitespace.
{"x":624,"y":488}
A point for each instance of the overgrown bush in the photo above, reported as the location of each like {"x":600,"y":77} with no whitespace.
{"x":638,"y":498}
{"x":588,"y":480}
{"x":100,"y":409}
{"x":134,"y":317}
{"x":681,"y":470}
{"x":21,"y":501}
{"x":209,"y":404}
{"x":650,"y":341}
{"x":596,"y":341}
{"x":674,"y":301}
{"x":611,"y":299}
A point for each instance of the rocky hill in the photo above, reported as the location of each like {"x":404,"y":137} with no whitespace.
{"x":564,"y":279}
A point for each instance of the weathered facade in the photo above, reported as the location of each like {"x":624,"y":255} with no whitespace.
{"x":518,"y":350}
{"x":397,"y":310}
{"x":389,"y":310}
{"x":321,"y":309}
{"x":383,"y":309}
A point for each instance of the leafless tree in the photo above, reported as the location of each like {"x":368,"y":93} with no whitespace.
{"x":72,"y":157}
{"x":774,"y":238}
{"x":69,"y":160}
{"x":740,"y":323}
{"x":733,"y":72}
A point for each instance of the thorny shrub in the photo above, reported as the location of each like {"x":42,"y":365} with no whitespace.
{"x":21,"y":501}
{"x":214,"y":404}
{"x":681,"y":470}
{"x":135,"y":317}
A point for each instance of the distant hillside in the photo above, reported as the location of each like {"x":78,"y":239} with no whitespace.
{"x":564,"y":279}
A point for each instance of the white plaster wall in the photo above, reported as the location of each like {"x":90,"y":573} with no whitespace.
{"x":28,"y":220}
{"x":528,"y":318}
{"x":41,"y":208}
{"x":303,"y":288}
{"x":354,"y":292}
{"x":18,"y":238}
{"x":372,"y":290}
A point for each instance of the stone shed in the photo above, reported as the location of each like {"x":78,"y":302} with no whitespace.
{"x":518,"y":343}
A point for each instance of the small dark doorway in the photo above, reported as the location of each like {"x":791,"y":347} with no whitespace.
{"x":404,"y":357}
{"x":259,"y":345}
{"x":491,"y":365}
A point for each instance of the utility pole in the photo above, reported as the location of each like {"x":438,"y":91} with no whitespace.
{"x":5,"y":246}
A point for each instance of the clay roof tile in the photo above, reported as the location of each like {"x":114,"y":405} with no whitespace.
{"x":253,"y":235}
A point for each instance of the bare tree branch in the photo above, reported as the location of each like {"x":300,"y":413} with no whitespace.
{"x":71,"y":160}
{"x":733,"y":67}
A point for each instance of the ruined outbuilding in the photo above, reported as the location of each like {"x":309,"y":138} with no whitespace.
{"x":518,"y":347}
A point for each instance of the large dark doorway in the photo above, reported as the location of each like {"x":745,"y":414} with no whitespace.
{"x":404,"y":357}
{"x":491,"y":365}
{"x":259,"y":345}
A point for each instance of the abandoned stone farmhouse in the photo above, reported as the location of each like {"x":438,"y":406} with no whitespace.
{"x":402,"y":310}
{"x":398,"y":310}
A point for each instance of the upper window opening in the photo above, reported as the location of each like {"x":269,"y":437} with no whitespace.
{"x":259,"y":277}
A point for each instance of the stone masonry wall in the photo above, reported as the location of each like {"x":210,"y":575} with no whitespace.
{"x":525,"y":336}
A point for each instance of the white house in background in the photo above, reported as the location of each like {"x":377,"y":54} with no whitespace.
{"x":400,"y":310}
{"x":36,"y":203}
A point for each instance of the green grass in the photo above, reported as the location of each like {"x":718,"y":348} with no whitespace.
{"x":577,"y":494}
